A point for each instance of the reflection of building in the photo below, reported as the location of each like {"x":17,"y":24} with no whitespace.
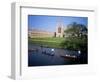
{"x":40,"y":33}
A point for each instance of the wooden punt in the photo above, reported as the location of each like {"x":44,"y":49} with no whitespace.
{"x":68,"y":57}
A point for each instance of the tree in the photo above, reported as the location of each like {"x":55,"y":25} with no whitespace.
{"x":76,"y":37}
{"x":76,"y":30}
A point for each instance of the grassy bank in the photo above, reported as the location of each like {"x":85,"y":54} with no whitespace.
{"x":48,"y":41}
{"x":69,"y":43}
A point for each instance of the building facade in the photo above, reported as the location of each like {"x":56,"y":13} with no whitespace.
{"x":40,"y":33}
{"x":35,"y":33}
{"x":60,"y":30}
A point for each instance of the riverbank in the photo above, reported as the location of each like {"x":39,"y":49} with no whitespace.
{"x":48,"y":41}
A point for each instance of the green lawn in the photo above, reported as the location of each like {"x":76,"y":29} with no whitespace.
{"x":48,"y":41}
{"x":69,"y":43}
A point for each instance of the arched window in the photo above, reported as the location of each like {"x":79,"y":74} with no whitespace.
{"x":59,"y":29}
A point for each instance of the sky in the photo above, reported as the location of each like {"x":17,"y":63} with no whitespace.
{"x":49,"y":23}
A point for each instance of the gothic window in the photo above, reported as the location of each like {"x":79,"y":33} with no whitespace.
{"x":59,"y":29}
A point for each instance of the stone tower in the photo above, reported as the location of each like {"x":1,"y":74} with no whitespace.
{"x":59,"y":29}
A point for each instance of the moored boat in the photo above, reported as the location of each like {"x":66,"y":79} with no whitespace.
{"x":69,"y":56}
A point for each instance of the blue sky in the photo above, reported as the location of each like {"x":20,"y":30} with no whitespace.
{"x":49,"y":23}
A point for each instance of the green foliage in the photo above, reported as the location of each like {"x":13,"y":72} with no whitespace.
{"x":75,"y":43}
{"x":76,"y":37}
{"x":76,"y":30}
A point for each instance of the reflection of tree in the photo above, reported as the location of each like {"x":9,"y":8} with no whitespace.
{"x":76,"y":37}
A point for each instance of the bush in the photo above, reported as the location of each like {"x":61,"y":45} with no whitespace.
{"x":75,"y":43}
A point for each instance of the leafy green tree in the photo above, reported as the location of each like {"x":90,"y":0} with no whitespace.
{"x":76,"y":37}
{"x":76,"y":30}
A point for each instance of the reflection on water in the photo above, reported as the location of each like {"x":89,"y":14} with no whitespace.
{"x":43,"y":56}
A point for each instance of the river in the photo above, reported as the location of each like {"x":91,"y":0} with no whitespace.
{"x":44,"y":56}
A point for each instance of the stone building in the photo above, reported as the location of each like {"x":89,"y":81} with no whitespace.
{"x":59,"y":32}
{"x":39,"y":33}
